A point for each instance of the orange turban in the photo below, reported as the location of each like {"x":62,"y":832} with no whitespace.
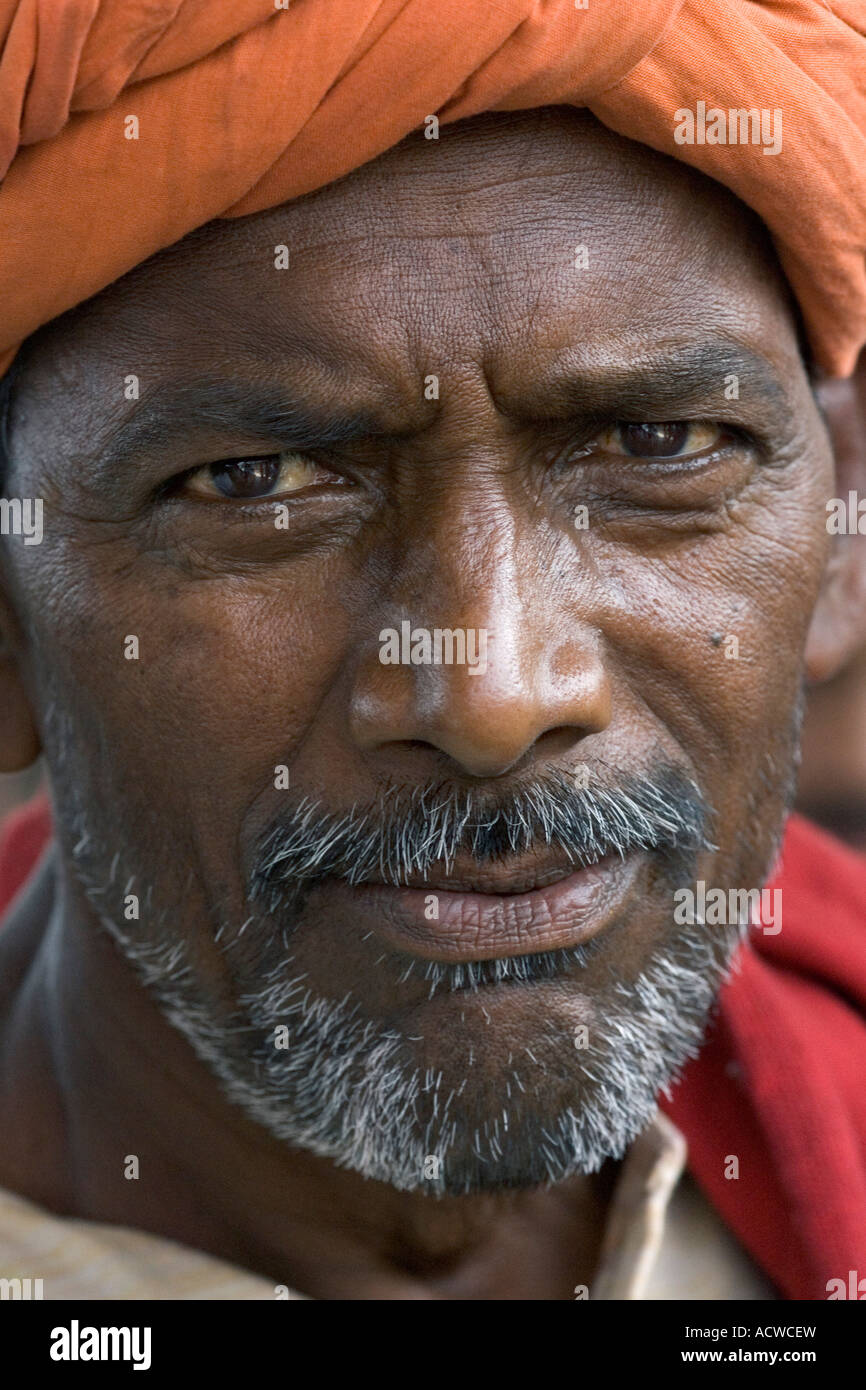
{"x":243,"y":104}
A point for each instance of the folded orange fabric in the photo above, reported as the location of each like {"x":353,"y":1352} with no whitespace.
{"x":243,"y":104}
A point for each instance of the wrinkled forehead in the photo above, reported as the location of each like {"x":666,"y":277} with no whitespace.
{"x":509,"y":237}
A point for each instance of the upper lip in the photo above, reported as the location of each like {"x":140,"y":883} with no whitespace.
{"x":518,"y":874}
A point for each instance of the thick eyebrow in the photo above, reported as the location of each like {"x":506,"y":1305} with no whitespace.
{"x":248,"y":408}
{"x":611,"y":388}
{"x":619,"y":387}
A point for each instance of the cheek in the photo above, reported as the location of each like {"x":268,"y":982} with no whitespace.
{"x":185,"y":694}
{"x":708,"y":640}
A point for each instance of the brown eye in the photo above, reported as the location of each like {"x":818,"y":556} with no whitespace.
{"x":274,"y":475}
{"x":660,"y":440}
{"x":654,"y":441}
{"x":245,"y":477}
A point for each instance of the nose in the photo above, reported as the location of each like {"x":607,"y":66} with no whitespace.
{"x":517,"y":671}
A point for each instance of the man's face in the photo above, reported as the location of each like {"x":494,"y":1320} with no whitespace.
{"x":529,"y":384}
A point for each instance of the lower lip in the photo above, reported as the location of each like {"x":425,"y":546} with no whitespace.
{"x":486,"y":926}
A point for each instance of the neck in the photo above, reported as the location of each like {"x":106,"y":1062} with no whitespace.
{"x":93,"y":1074}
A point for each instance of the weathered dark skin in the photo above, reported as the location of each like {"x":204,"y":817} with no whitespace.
{"x":259,"y":647}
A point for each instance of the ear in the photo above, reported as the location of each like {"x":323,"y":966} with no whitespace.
{"x":19,"y":736}
{"x":838,"y":629}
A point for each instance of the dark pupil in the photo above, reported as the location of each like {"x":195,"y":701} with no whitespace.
{"x":246,"y":477}
{"x":653,"y":441}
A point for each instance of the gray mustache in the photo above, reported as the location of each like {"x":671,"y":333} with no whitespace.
{"x":408,"y":832}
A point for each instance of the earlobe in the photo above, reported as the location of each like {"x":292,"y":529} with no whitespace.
{"x":19,"y":740}
{"x":838,"y":628}
{"x":20,"y":743}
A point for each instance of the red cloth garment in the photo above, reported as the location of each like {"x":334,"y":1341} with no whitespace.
{"x":23,"y":836}
{"x":780,"y":1080}
{"x":779,"y":1083}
